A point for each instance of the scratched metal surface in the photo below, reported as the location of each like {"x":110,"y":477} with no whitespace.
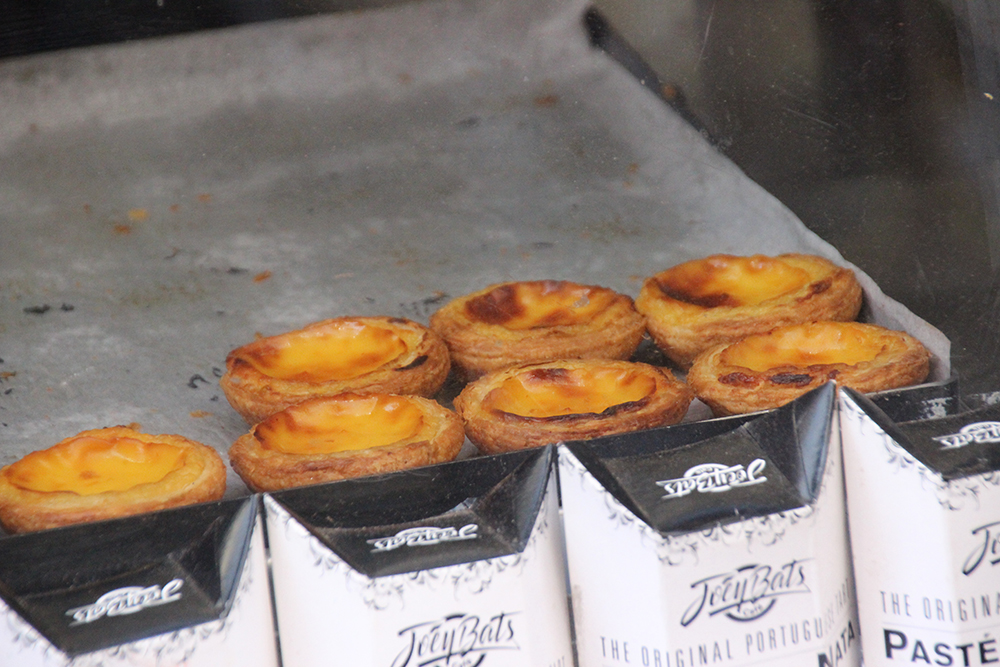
{"x":164,"y":201}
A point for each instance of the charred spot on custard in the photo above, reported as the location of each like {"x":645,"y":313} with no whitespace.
{"x":554,"y":375}
{"x":496,"y":306}
{"x":539,"y":304}
{"x":702,"y":300}
{"x":611,"y":411}
{"x":738,"y":379}
{"x":730,"y":281}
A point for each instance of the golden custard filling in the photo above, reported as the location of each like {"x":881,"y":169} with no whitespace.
{"x":88,"y":465}
{"x":727,"y":280}
{"x":542,"y":303}
{"x":335,"y":352}
{"x":330,"y":426}
{"x":814,"y":344}
{"x":557,"y":392}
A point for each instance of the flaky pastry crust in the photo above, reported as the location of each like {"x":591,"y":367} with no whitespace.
{"x":686,"y":316}
{"x":892,"y":359}
{"x":498,"y":420}
{"x":200,"y":476}
{"x":494,"y":328}
{"x":420,"y":369}
{"x":265,"y":468}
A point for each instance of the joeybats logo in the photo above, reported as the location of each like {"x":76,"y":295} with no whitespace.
{"x":127,"y":600}
{"x":424,"y":536}
{"x":978,"y":432}
{"x":746,"y":593}
{"x":714,"y":478}
{"x":457,"y":640}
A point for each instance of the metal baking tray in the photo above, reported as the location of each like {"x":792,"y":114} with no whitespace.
{"x":164,"y":201}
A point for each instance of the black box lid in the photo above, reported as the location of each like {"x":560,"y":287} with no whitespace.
{"x":955,"y":446}
{"x":92,"y":586}
{"x":688,"y":477}
{"x":440,"y":515}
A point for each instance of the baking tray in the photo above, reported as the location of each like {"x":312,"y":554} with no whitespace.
{"x":164,"y":201}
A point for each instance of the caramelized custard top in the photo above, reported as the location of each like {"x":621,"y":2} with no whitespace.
{"x":727,"y":280}
{"x":88,"y":465}
{"x":346,"y":423}
{"x":333,"y":352}
{"x":557,"y":392}
{"x":819,"y":343}
{"x":541,"y":303}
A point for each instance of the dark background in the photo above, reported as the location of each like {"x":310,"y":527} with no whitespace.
{"x":887,"y":144}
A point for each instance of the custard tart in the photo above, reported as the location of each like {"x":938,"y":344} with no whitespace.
{"x":107,"y":473}
{"x":768,"y":370}
{"x":347,"y":435}
{"x":719,"y":299}
{"x":531,"y":321}
{"x":371,"y":354}
{"x":578,"y":399}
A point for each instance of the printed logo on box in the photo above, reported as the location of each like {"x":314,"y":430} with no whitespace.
{"x":424,"y":536}
{"x":987,"y":547}
{"x":978,"y":432}
{"x":746,"y":593}
{"x":457,"y":640}
{"x":714,"y":478}
{"x":127,"y":600}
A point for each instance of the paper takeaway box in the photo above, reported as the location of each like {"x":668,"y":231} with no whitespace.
{"x":924,"y":513}
{"x":186,"y":586}
{"x":714,"y":543}
{"x":453,"y":565}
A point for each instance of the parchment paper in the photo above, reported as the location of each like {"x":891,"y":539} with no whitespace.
{"x":163,"y":201}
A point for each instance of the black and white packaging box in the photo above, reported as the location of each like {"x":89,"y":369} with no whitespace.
{"x":454,"y":565}
{"x":923,"y":503}
{"x":722,"y":542}
{"x":183,"y":587}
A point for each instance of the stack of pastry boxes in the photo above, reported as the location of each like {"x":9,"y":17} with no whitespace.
{"x":718,"y":542}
